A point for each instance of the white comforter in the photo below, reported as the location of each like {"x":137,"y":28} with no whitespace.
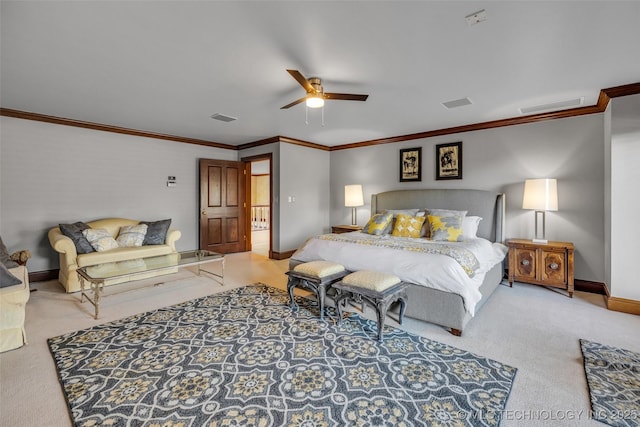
{"x":432,"y":270}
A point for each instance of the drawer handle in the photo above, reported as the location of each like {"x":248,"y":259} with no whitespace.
{"x":525,"y":262}
{"x":554,"y":266}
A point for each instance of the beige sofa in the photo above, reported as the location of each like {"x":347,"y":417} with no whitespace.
{"x":13,"y":301}
{"x":70,"y":260}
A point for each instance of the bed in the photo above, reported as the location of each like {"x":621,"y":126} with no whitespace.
{"x":441,"y":295}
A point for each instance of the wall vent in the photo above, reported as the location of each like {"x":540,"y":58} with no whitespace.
{"x":457,"y":103}
{"x":223,"y":118}
{"x":561,"y":105}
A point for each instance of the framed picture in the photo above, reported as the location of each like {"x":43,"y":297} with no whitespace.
{"x":449,"y":161}
{"x":411,"y":164}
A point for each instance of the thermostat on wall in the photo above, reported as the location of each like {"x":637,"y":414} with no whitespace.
{"x":171,"y":181}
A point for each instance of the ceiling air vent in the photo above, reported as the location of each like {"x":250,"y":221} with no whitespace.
{"x":457,"y":103}
{"x":561,"y":105}
{"x":223,"y":118}
{"x":476,"y":17}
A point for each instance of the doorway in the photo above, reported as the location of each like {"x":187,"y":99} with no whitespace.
{"x":223,"y":219}
{"x":259,"y":198}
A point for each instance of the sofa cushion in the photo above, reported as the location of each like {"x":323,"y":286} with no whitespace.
{"x":123,"y":254}
{"x":156,"y":231}
{"x":100,"y":239}
{"x":74,"y":232}
{"x":131,"y":235}
{"x":4,"y":256}
{"x":17,"y":294}
{"x":6,"y":278}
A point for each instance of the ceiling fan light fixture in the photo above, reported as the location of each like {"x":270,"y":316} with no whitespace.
{"x":315,"y":101}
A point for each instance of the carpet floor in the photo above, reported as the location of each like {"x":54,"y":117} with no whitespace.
{"x":613,"y":376}
{"x":242,"y":357}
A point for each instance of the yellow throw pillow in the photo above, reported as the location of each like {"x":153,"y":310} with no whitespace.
{"x":377,"y":224}
{"x":407,"y":226}
{"x":447,"y":228}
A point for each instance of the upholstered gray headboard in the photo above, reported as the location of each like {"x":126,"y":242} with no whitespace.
{"x":489,"y":205}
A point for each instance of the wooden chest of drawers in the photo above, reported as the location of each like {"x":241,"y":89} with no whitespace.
{"x":546,"y":264}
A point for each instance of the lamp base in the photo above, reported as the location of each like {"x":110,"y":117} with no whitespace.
{"x":541,"y":241}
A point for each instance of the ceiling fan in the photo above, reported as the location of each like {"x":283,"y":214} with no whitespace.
{"x":315,"y":92}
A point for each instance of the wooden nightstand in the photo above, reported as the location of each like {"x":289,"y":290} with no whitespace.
{"x":549,"y":264}
{"x":338,"y":229}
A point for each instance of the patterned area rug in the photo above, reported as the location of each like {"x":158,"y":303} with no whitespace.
{"x":613,"y":376}
{"x":242,"y":357}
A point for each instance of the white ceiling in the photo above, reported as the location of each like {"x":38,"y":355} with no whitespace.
{"x":166,"y":67}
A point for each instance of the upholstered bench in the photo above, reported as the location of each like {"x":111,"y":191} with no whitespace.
{"x":378,"y":289}
{"x":316,"y":276}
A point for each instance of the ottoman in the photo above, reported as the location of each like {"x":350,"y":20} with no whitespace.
{"x":316,"y":276}
{"x":377,"y":289}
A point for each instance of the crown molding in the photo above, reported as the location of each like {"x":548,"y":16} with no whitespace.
{"x":108,"y":128}
{"x":601,"y":105}
{"x":286,"y":139}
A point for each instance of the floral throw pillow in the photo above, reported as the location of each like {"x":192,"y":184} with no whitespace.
{"x":131,"y":235}
{"x":447,"y":228}
{"x":407,"y":226}
{"x":100,"y":239}
{"x":378,"y":223}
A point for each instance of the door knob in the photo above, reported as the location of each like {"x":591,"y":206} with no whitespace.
{"x":203,"y":212}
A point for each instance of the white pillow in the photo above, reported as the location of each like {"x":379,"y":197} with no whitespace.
{"x":132,"y":235}
{"x":470,"y":226}
{"x":100,"y":239}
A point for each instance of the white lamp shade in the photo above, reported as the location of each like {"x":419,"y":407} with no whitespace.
{"x":353,"y":195}
{"x":540,"y":194}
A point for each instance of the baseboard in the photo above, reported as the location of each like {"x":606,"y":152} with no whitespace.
{"x":43,"y":276}
{"x":624,"y":305}
{"x":281,"y":255}
{"x":589,"y":286}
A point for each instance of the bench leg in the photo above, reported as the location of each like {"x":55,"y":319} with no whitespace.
{"x":381,"y":307}
{"x":322,"y":291}
{"x":403,"y":306}
{"x":340,"y":302}
{"x":291,"y":284}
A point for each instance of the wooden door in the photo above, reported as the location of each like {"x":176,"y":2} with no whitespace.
{"x":222,"y":206}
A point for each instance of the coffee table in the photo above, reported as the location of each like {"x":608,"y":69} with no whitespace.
{"x":97,"y":275}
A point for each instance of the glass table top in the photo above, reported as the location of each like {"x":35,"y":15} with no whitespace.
{"x":112,"y":270}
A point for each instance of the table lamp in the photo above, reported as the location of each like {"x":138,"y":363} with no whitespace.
{"x":353,"y":198}
{"x":540,"y":195}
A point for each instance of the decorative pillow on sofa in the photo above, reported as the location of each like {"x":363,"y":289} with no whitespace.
{"x":74,"y":232}
{"x":156,"y":232}
{"x":131,"y":235}
{"x":447,"y":228}
{"x":100,"y":239}
{"x":407,"y":226}
{"x":6,"y":278}
{"x":378,"y":223}
{"x":4,"y":256}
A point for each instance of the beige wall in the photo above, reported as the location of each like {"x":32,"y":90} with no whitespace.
{"x":260,"y":190}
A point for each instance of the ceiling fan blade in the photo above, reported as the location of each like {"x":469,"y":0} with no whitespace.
{"x":345,"y":96}
{"x":296,"y":102}
{"x":303,"y":82}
